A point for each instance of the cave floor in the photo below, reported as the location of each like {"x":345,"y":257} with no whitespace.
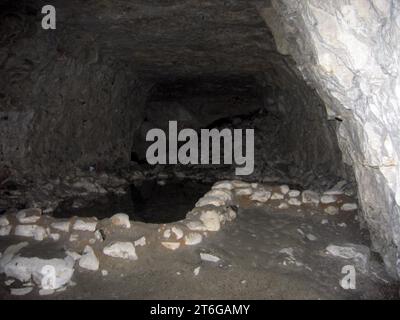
{"x":252,"y":265}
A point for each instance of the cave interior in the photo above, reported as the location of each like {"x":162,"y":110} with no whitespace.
{"x":77,"y":102}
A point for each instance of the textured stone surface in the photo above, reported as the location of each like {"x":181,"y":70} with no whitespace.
{"x":51,"y":83}
{"x":61,"y":226}
{"x":31,"y":231}
{"x":121,"y":219}
{"x":349,"y":51}
{"x":89,"y":260}
{"x":86,"y":83}
{"x":77,"y":96}
{"x":25,"y":269}
{"x":82,"y":225}
{"x":175,"y":36}
{"x":358,"y":253}
{"x":29,"y":215}
{"x":124,"y":250}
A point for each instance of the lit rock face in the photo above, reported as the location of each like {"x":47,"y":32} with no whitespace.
{"x":350,"y":52}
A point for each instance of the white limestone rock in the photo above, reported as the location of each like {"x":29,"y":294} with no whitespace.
{"x":124,"y":250}
{"x":28,"y":284}
{"x":211,"y":220}
{"x":25,"y":269}
{"x":196,"y":271}
{"x":98,"y":235}
{"x":294,"y":202}
{"x":81,"y":225}
{"x":237,"y":184}
{"x":333,"y":193}
{"x":31,"y":215}
{"x":46,"y":292}
{"x":61,"y":226}
{"x":20,"y":291}
{"x":331,"y":210}
{"x":277,"y":196}
{"x":294,"y":193}
{"x":210,"y":200}
{"x":209,"y":257}
{"x":89,"y":260}
{"x":177,"y":232}
{"x":284,"y":189}
{"x":167,"y":233}
{"x":141,"y":242}
{"x":261,"y":196}
{"x":244,"y":191}
{"x":196,"y":226}
{"x":10,"y":252}
{"x":309,"y":196}
{"x":223,"y":185}
{"x":283,"y":206}
{"x":9,"y":282}
{"x":193,"y":238}
{"x":349,"y":207}
{"x":4,"y":221}
{"x":121,"y":220}
{"x":54,"y":236}
{"x":171,"y":245}
{"x":327,"y":199}
{"x":31,"y":231}
{"x":358,"y":253}
{"x":223,"y":194}
{"x":5,"y":231}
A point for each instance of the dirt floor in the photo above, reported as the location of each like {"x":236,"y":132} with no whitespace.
{"x":252,"y":266}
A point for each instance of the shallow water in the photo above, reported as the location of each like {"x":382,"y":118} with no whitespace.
{"x":147,"y":202}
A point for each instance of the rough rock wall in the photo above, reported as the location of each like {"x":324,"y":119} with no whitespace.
{"x":349,"y":50}
{"x":296,"y":136}
{"x":200,"y":101}
{"x":89,"y":116}
{"x":294,"y":141}
{"x":62,"y":106}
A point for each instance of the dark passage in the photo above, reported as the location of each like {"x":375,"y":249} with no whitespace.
{"x":147,"y":202}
